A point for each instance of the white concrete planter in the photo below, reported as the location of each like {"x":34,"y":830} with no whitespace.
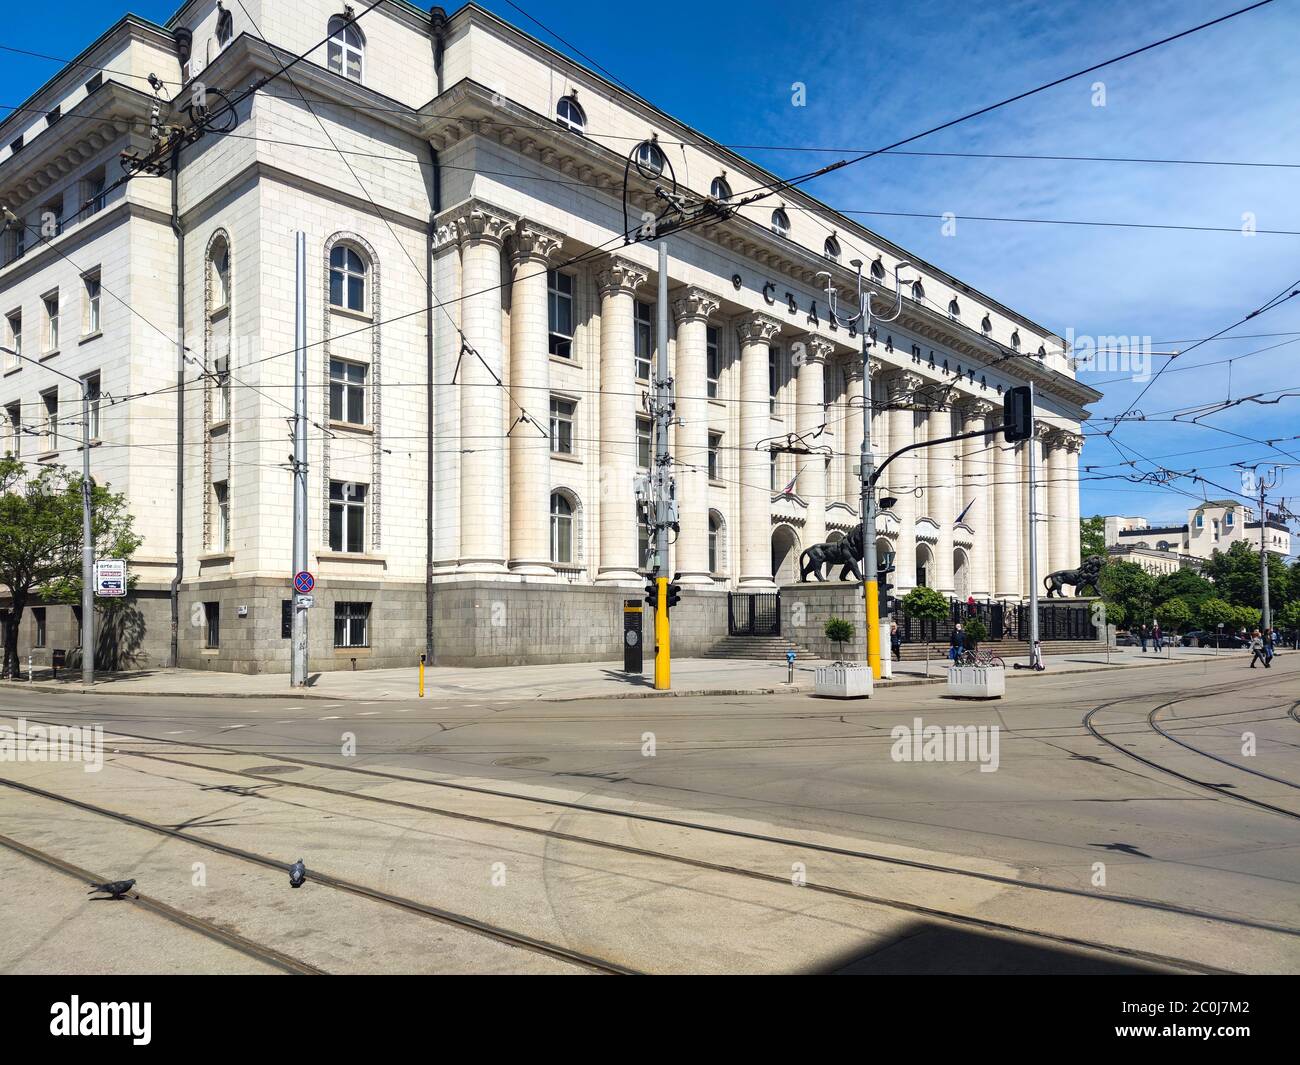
{"x":844,"y":680}
{"x":977,"y":682}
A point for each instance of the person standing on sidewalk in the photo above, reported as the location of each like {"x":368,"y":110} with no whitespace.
{"x":1155,"y":636}
{"x":957,"y":644}
{"x":895,"y":641}
{"x":1142,"y":635}
{"x":1257,"y":650}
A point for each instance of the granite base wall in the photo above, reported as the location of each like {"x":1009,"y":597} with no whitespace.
{"x":805,"y":609}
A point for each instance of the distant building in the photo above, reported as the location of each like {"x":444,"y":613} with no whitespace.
{"x":1215,"y":525}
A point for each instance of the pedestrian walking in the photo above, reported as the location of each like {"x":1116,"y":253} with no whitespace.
{"x":1155,"y":636}
{"x":1257,"y":650}
{"x":895,"y":641}
{"x":1142,"y":635}
{"x":957,"y":644}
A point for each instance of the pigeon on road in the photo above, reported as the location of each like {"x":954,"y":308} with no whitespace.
{"x":115,"y":888}
{"x":297,"y":874}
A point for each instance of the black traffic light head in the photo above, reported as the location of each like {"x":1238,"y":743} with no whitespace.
{"x":674,"y":595}
{"x":652,"y":594}
{"x":1017,"y":413}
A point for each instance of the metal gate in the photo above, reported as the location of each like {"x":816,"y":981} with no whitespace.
{"x":754,"y":613}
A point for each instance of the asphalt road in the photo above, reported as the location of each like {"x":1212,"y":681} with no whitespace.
{"x":1136,"y":820}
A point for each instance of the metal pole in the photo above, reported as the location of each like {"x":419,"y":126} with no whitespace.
{"x":663,"y":658}
{"x":1032,"y":445}
{"x":1263,"y":559}
{"x":87,"y":547}
{"x":867,"y":502}
{"x":298,"y":672}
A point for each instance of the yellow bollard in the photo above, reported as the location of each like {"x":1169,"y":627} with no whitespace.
{"x":421,"y":676}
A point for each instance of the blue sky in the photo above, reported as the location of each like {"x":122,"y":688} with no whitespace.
{"x":876,"y":73}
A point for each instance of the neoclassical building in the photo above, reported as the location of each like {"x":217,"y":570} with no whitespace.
{"x":480,"y":346}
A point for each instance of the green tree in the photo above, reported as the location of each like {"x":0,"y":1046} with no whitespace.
{"x":1184,"y":584}
{"x":976,"y":633}
{"x":41,"y":539}
{"x":1092,"y":536}
{"x":839,"y":631}
{"x":1236,"y":575}
{"x":1174,"y":615}
{"x":925,"y":604}
{"x":1213,"y":611}
{"x":1288,"y":618}
{"x":1128,"y":592}
{"x":1244,"y":617}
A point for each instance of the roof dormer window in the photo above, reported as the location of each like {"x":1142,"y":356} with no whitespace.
{"x":570,"y":115}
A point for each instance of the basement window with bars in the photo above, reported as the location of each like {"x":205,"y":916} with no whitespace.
{"x":351,"y":624}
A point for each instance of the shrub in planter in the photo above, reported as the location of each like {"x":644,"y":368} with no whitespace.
{"x":976,"y":633}
{"x":839,"y":631}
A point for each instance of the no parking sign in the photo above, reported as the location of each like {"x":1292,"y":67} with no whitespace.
{"x":303,"y":582}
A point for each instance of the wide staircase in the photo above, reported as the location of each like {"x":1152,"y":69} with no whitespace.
{"x":764,"y":647}
{"x":1008,"y":649}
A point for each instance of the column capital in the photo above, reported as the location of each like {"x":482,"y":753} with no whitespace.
{"x":758,"y":328}
{"x":531,"y":242}
{"x":620,"y":275}
{"x":976,"y":410}
{"x":816,"y":348}
{"x":474,"y":221}
{"x":879,"y":367}
{"x":695,"y":304}
{"x":1067,"y":441}
{"x":903,"y":386}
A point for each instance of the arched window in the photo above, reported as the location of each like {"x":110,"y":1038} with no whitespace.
{"x":650,"y":159}
{"x":877,"y":269}
{"x":832,"y":249}
{"x":918,"y":290}
{"x":570,"y":114}
{"x":561,"y":529}
{"x":717,"y":542}
{"x":780,"y":222}
{"x":720,"y":190}
{"x":954,"y":308}
{"x":348,"y":272}
{"x":220,"y":260}
{"x":346,"y":48}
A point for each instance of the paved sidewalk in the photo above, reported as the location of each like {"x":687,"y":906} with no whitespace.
{"x":562,"y":682}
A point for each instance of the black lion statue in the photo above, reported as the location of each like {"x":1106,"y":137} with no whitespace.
{"x":844,"y":553}
{"x":1085,"y":576}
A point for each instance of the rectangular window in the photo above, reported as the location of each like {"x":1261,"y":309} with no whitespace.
{"x":559,"y":307}
{"x":51,"y":322}
{"x":92,"y":191}
{"x":286,"y":619}
{"x":38,"y":625}
{"x":643,"y":443}
{"x":51,"y":401}
{"x":90,"y":322}
{"x":221,"y":500}
{"x":52,"y":218}
{"x":714,"y":356}
{"x":643,"y":543}
{"x":14,"y":427}
{"x":715,"y":456}
{"x":92,"y":393}
{"x":221,"y":389}
{"x":14,"y":321}
{"x":772,"y":463}
{"x":351,"y":624}
{"x":644,"y":338}
{"x":773,"y":376}
{"x":562,"y":426}
{"x":212,"y":619}
{"x":347,"y":392}
{"x":347,"y":516}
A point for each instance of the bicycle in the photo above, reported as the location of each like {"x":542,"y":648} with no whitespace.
{"x":979,"y":658}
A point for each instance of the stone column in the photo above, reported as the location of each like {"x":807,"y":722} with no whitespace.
{"x":1043,"y":499}
{"x":975,"y":485}
{"x":1009,"y":520}
{"x":483,"y":229}
{"x":901,"y":476}
{"x":693,"y":307}
{"x":757,"y":331}
{"x":530,"y":377}
{"x":1073,"y":445}
{"x":619,"y":279}
{"x":811,"y":353}
{"x":851,"y":429}
{"x":941,"y":495}
{"x":1057,"y":515}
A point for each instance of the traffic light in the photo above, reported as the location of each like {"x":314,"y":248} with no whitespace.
{"x":1017,"y":413}
{"x":652,"y":594}
{"x":674,"y":595}
{"x":883,"y":587}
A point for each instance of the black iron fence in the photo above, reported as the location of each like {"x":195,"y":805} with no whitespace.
{"x":754,"y":613}
{"x":1004,"y":621}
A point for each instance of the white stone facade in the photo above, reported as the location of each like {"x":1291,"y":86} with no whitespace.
{"x":1213,"y":526}
{"x":463,"y":178}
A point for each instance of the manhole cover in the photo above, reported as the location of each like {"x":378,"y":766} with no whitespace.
{"x":271,"y":770}
{"x":520,"y":760}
